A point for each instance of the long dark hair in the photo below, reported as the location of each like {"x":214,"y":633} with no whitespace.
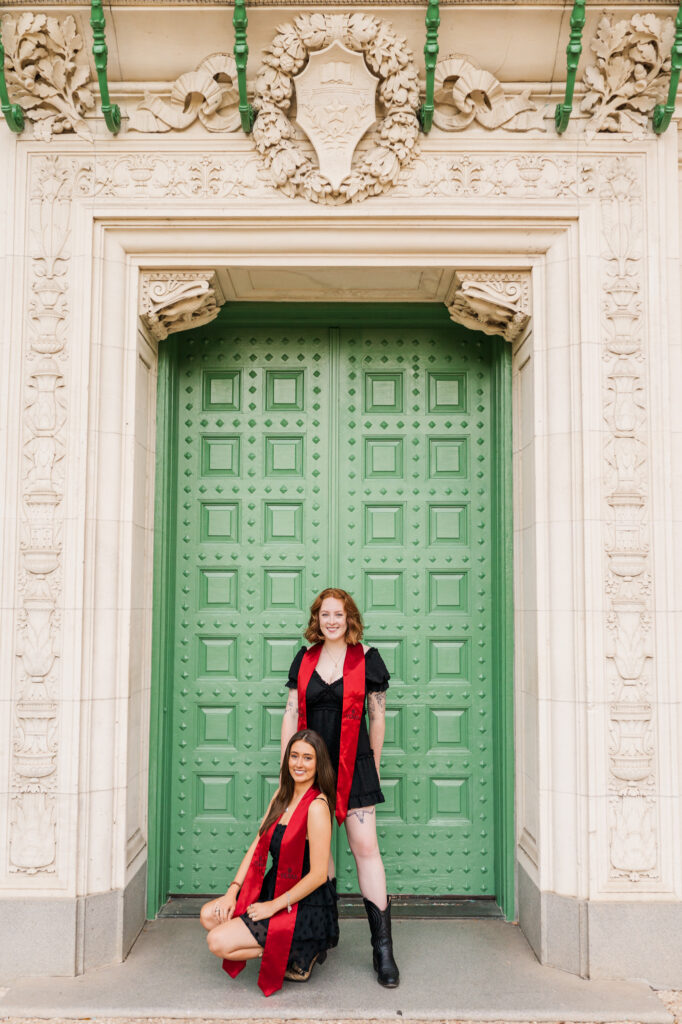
{"x":325,"y":777}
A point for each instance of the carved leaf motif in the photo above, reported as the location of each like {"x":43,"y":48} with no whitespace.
{"x":631,"y":73}
{"x":48,"y":73}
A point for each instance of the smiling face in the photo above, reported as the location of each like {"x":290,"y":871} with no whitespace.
{"x":333,"y":621}
{"x":302,"y":762}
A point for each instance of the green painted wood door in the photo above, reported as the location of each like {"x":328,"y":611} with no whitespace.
{"x":313,"y":448}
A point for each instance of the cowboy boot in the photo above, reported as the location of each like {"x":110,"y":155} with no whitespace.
{"x":388,"y":974}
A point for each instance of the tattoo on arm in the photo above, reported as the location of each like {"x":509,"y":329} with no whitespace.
{"x":376,"y":704}
{"x":292,"y":706}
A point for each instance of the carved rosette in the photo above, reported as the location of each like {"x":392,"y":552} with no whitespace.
{"x":374,"y":171}
{"x":36,"y":684}
{"x":178,"y":301}
{"x":495,"y":303}
{"x":633,"y":825}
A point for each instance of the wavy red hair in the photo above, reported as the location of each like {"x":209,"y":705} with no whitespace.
{"x":354,"y":626}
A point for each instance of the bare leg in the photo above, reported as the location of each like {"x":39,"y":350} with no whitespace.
{"x":233,"y":941}
{"x":361,"y":828}
{"x":208,"y":916}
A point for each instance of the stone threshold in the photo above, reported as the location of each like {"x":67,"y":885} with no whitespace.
{"x":351,"y":907}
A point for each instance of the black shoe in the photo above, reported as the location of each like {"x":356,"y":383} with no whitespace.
{"x":388,"y":974}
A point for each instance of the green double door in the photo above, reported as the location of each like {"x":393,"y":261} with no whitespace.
{"x":341,"y":447}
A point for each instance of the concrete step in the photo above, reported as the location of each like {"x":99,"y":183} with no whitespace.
{"x":450,"y":971}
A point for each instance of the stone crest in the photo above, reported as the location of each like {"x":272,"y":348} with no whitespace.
{"x":322,"y":57}
{"x":336,"y":105}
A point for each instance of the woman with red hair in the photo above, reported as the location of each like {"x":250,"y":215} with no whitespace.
{"x":331,"y":683}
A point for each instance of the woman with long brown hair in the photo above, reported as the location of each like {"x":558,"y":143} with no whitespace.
{"x":287,"y":916}
{"x":331,"y":683}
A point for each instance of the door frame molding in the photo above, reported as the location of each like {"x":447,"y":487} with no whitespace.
{"x":164,"y":569}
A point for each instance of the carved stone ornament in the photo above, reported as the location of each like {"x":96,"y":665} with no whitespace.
{"x":178,"y":301}
{"x":633,"y":826}
{"x":613,"y":187}
{"x":464,"y":93}
{"x":335,"y":106}
{"x":208,"y":94}
{"x":495,"y":303}
{"x":373,"y":171}
{"x":632,"y":72}
{"x":48,"y":73}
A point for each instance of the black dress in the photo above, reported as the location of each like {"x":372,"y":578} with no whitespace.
{"x":317,"y":920}
{"x":324,"y":704}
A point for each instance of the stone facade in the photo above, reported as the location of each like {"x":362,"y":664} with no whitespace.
{"x":563,"y":245}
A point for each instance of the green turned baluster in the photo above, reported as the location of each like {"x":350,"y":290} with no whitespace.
{"x":111,"y":111}
{"x":430,"y":60}
{"x":563,"y":110}
{"x":12,"y":112}
{"x":241,"y":56}
{"x":663,"y":112}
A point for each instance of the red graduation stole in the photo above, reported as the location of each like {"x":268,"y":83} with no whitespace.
{"x":289,"y":870}
{"x":351,"y":715}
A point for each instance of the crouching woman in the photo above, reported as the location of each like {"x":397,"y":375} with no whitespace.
{"x":287,"y":916}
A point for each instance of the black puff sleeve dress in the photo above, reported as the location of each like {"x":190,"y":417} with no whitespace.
{"x":324,"y":704}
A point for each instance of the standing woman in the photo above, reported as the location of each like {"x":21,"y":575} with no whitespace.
{"x":287,"y":916}
{"x":330,"y":684}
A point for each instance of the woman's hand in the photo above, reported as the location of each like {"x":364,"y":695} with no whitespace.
{"x":223,"y":908}
{"x":261,"y":911}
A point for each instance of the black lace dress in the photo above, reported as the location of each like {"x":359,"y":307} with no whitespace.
{"x":324,"y":704}
{"x":317,"y":920}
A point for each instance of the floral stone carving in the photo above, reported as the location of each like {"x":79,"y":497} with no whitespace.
{"x":178,"y":301}
{"x":388,"y":58}
{"x":207,"y":94}
{"x":48,"y":73}
{"x":495,"y":303}
{"x":464,"y":93}
{"x":632,"y":72}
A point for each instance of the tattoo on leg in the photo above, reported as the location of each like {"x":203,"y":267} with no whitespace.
{"x":360,"y":812}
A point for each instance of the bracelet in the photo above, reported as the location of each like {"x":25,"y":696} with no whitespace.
{"x":235,"y":882}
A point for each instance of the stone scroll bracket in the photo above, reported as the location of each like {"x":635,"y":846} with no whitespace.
{"x":172,"y":301}
{"x":492,"y":302}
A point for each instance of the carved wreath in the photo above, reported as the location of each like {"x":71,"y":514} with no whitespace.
{"x":387,"y":56}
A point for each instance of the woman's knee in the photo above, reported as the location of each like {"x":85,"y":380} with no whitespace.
{"x":206,"y":915}
{"x":216,"y":942}
{"x":365,"y":847}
